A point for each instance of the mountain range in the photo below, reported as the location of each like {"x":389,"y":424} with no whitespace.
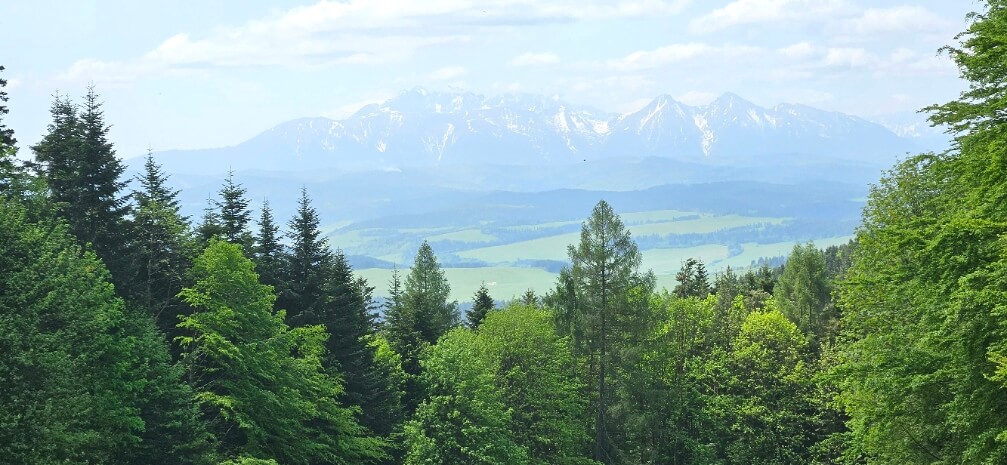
{"x":424,"y":129}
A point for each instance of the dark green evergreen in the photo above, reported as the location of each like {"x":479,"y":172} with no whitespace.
{"x":482,"y":304}
{"x":162,"y":247}
{"x":233,"y":213}
{"x":270,"y":254}
{"x":209,"y":226}
{"x":693,"y":280}
{"x":85,"y":380}
{"x":308,"y":266}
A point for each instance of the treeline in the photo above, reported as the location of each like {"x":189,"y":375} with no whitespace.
{"x":130,"y":335}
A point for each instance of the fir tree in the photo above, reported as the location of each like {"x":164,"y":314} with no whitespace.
{"x":6,"y":134}
{"x":426,"y":296}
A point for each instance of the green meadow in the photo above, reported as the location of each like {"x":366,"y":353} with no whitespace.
{"x":515,"y":256}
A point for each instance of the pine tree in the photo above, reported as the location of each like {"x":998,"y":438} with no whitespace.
{"x":234,"y":214}
{"x":482,"y":304}
{"x":308,"y":266}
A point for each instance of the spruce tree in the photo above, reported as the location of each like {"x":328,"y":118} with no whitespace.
{"x":79,"y":164}
{"x":209,"y":225}
{"x":693,"y":280}
{"x":270,"y":253}
{"x":234,"y":214}
{"x":15,"y":183}
{"x":482,"y":304}
{"x":162,"y":246}
{"x":6,"y":134}
{"x":308,"y":266}
{"x":8,"y":149}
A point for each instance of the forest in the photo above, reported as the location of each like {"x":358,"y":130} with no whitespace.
{"x":131,"y":334}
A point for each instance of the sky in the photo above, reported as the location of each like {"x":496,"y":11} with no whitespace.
{"x":197,"y":74}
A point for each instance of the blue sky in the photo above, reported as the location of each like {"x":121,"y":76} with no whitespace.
{"x":196,"y":74}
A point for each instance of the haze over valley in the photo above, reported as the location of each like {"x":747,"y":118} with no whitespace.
{"x":498,"y":185}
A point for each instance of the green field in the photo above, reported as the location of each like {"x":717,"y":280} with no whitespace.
{"x":554,"y":247}
{"x":504,"y":283}
{"x":488,"y":243}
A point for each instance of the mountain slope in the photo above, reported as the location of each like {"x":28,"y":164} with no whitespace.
{"x":419,"y":128}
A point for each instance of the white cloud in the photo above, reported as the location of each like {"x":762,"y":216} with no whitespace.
{"x":696,"y":97}
{"x":529,"y":59}
{"x":675,"y":53}
{"x":797,"y":51}
{"x":895,"y":20}
{"x":848,"y":57}
{"x":358,"y":32}
{"x":742,"y":12}
{"x":14,"y":83}
{"x":447,"y":73}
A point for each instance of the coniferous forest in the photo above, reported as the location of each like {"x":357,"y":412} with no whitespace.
{"x":131,"y":334}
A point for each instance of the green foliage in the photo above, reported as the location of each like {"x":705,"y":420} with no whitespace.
{"x":464,"y":418}
{"x":536,"y":373}
{"x":923,"y":301}
{"x":803,"y":293}
{"x":426,"y":295}
{"x":234,"y":214}
{"x":308,"y":264}
{"x":6,"y":134}
{"x":601,"y":301}
{"x":482,"y":304}
{"x":260,"y":383}
{"x":162,"y":247}
{"x":692,"y":280}
{"x":270,"y":254}
{"x":770,"y":405}
{"x":78,"y":164}
{"x":84,"y":380}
